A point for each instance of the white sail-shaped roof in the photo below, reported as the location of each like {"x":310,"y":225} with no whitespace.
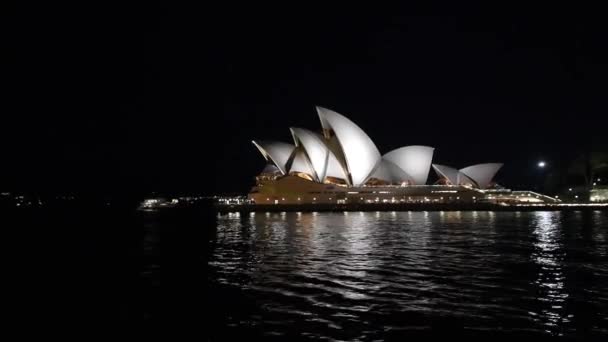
{"x":360,"y":153}
{"x":482,"y":174}
{"x":466,"y":180}
{"x":315,"y":149}
{"x":276,"y":152}
{"x":336,"y":164}
{"x":414,"y":160}
{"x":389,"y":172}
{"x":449,"y":173}
{"x":300,"y":162}
{"x":270,"y":168}
{"x":334,"y":168}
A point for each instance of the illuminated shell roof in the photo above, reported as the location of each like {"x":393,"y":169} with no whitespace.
{"x":360,"y":153}
{"x":449,"y":173}
{"x":389,"y":172}
{"x":315,"y":149}
{"x":270,"y":168}
{"x":482,"y":174}
{"x":479,"y":175}
{"x":415,"y":160}
{"x":276,"y":152}
{"x":344,"y":151}
{"x":334,"y":168}
{"x":300,"y":162}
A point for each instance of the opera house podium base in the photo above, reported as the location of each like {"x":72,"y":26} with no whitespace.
{"x":252,"y":208}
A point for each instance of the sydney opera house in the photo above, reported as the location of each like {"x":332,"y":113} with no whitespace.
{"x":342,"y":165}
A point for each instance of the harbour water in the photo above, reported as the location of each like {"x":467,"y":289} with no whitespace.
{"x":388,"y":275}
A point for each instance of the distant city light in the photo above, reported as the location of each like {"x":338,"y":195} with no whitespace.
{"x":541,"y":164}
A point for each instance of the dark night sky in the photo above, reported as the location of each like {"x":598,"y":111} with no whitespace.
{"x":161,"y":98}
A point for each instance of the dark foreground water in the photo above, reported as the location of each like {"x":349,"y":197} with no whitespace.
{"x":367,"y":276}
{"x":289,"y":276}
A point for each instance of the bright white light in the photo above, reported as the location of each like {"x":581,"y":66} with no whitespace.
{"x":575,"y":196}
{"x":570,"y":189}
{"x":541,"y":164}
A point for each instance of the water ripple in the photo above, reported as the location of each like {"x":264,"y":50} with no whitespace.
{"x":365,"y":276}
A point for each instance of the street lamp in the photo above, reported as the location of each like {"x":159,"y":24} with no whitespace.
{"x":541,"y":164}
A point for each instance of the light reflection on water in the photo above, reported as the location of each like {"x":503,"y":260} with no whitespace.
{"x":357,"y":275}
{"x":549,"y":256}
